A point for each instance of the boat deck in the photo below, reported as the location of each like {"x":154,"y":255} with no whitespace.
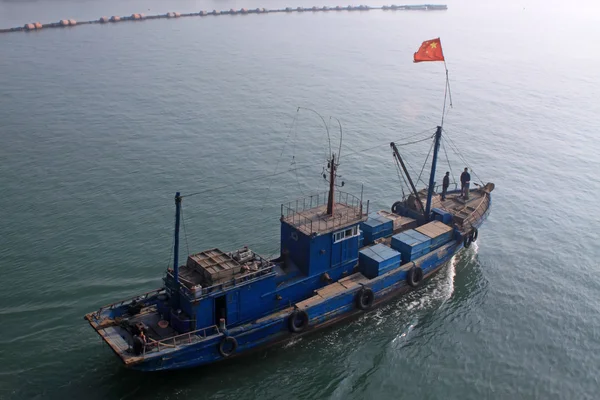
{"x":153,"y":330}
{"x":454,"y":201}
{"x":332,"y":290}
{"x":464,"y":211}
{"x":309,"y":214}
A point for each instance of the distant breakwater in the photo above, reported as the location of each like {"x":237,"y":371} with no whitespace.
{"x":64,"y":23}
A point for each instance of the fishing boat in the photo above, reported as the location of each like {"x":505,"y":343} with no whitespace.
{"x":337,"y":260}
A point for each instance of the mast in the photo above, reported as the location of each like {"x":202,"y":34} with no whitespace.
{"x":412,"y":185}
{"x":330,"y":201}
{"x":176,"y":245}
{"x":436,"y":147}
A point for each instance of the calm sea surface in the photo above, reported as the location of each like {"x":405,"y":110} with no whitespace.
{"x":101,"y":125}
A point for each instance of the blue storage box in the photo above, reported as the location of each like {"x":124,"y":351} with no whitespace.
{"x":376,"y":226}
{"x":377,"y":260}
{"x":441,"y":215}
{"x":439,"y":233}
{"x":180,"y":321}
{"x":411,"y":244}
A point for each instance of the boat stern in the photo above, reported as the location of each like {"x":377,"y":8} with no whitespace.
{"x":118,"y":339}
{"x":113,"y":323}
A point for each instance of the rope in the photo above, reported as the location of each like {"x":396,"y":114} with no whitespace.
{"x":324,"y":123}
{"x":280,"y":155}
{"x":448,"y":160}
{"x":302,"y":167}
{"x":401,"y":176}
{"x":454,"y":147}
{"x":247,"y":180}
{"x":293,"y":163}
{"x":387,"y":144}
{"x":446,"y":93}
{"x":425,"y":163}
{"x":411,"y":168}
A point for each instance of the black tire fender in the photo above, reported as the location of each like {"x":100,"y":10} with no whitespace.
{"x":395,"y":206}
{"x":414,"y":276}
{"x":474,"y":235}
{"x":364,"y":298}
{"x":228,"y":346}
{"x":468,"y":239}
{"x":298,"y":321}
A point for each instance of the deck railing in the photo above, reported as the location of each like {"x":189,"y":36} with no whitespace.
{"x":143,"y":296}
{"x":185,"y":338}
{"x":478,"y":213}
{"x":195,"y":293}
{"x":294,"y":211}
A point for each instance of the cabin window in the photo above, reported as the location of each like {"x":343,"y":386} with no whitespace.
{"x":346,"y":234}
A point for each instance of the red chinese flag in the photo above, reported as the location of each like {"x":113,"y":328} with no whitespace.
{"x":430,"y":50}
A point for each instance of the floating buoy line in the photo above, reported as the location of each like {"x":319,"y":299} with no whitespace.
{"x":34,"y":26}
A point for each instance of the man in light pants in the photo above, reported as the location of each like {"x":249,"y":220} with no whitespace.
{"x":465,"y":180}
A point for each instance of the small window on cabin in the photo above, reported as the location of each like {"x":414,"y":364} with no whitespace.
{"x":345,"y":234}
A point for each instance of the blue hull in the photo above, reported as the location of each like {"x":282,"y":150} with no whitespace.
{"x":332,"y":267}
{"x":272,"y":331}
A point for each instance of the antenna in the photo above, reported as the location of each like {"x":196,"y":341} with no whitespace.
{"x":324,"y":124}
{"x":341,"y":137}
{"x":332,"y":166}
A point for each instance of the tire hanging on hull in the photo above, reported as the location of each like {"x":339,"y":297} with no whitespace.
{"x":414,"y":277}
{"x":396,"y":206}
{"x":298,"y":321}
{"x":228,"y":346}
{"x":470,"y":238}
{"x":364,"y":298}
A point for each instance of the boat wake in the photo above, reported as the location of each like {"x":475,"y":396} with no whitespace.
{"x":292,"y":342}
{"x":440,"y":289}
{"x":405,"y":332}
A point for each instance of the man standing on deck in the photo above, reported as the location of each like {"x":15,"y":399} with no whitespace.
{"x":465,"y":180}
{"x":445,"y":185}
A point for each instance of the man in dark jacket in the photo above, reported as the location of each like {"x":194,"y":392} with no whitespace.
{"x":445,"y":185}
{"x":465,"y":180}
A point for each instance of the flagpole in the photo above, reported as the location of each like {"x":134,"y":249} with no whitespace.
{"x":447,"y":93}
{"x":448,"y":83}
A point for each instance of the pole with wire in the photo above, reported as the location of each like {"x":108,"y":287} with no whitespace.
{"x":447,"y":93}
{"x":175,"y":296}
